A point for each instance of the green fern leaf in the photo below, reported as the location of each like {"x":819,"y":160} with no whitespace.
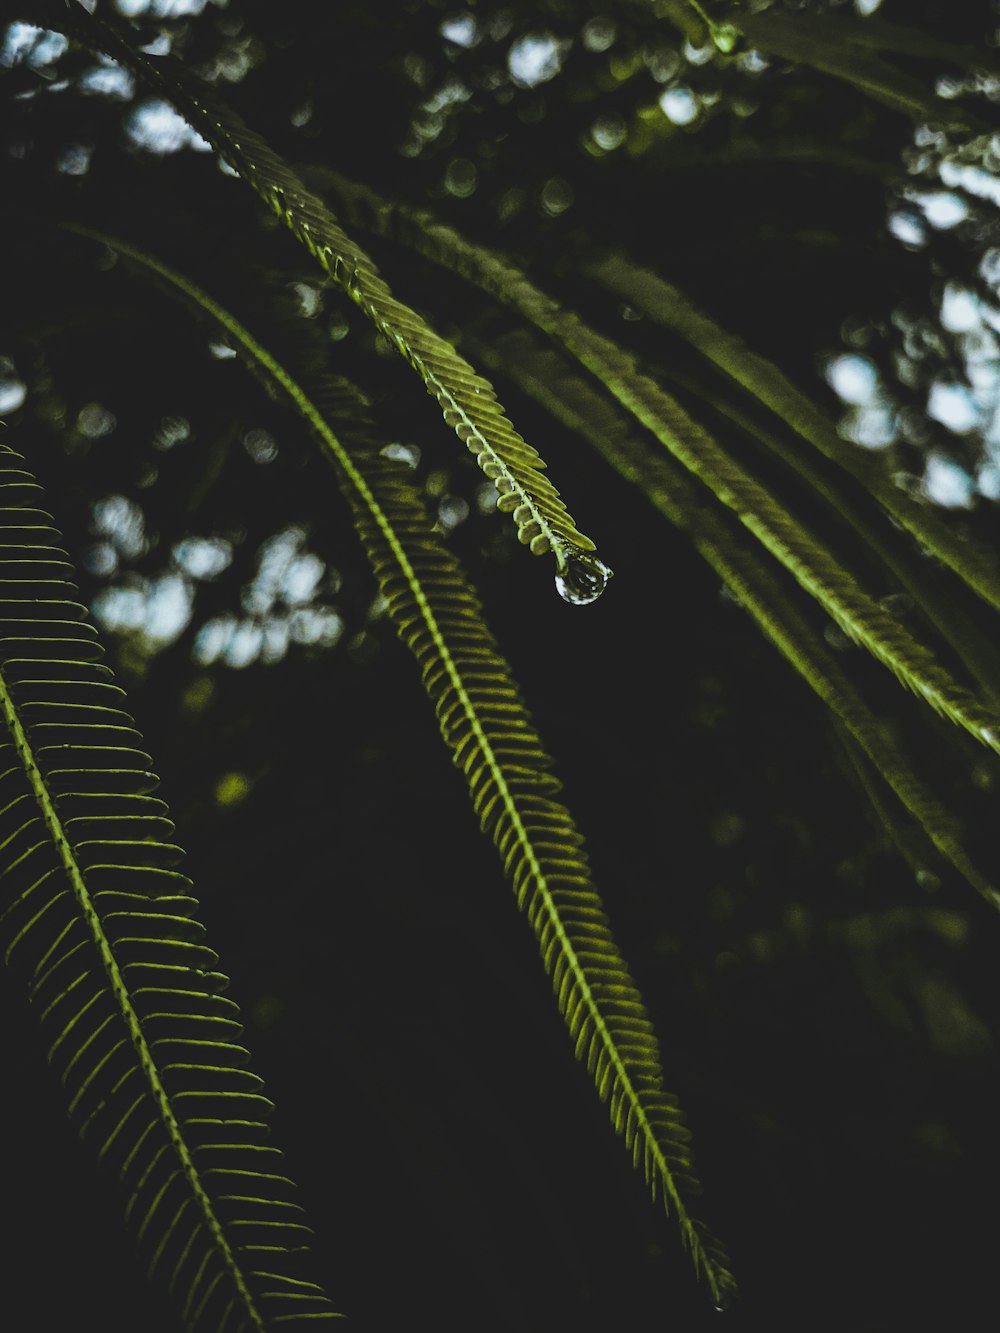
{"x":928,"y":587}
{"x":487,"y":728}
{"x":545,"y":375}
{"x":467,"y":400}
{"x":104,"y":931}
{"x":493,"y":742}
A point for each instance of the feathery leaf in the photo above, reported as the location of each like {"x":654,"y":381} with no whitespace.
{"x":544,"y":375}
{"x":127,"y":993}
{"x":927,"y":586}
{"x":467,"y":400}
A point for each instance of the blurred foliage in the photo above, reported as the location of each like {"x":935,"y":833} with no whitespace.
{"x":823,"y":986}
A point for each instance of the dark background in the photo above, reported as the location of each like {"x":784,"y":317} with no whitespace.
{"x":826,"y":1015}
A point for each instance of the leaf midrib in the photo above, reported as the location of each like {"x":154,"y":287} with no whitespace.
{"x":120,"y":991}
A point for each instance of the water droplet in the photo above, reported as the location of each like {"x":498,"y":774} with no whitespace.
{"x":725,"y":1299}
{"x":582,"y":578}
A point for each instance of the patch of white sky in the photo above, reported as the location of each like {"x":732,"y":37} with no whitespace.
{"x":160,"y":9}
{"x":157,"y":128}
{"x":954,"y":406}
{"x":279,"y":604}
{"x":946,"y":184}
{"x":947,"y":483}
{"x":872,"y":420}
{"x":975,"y":180}
{"x":280,"y":608}
{"x":13,"y":389}
{"x":679,"y":105}
{"x":460,"y":30}
{"x":12,"y":394}
{"x":971,"y":408}
{"x":108,"y":80}
{"x":169,"y":601}
{"x":158,"y":608}
{"x":285,"y":573}
{"x":926,"y":211}
{"x":202,"y":557}
{"x":24,"y":43}
{"x":536,"y":58}
{"x":153,"y":125}
{"x":120,"y":521}
{"x":238,"y":643}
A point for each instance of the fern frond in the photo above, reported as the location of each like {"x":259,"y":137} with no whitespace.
{"x":493,"y":742}
{"x":923,"y":583}
{"x":127,"y":993}
{"x":823,"y":576}
{"x":666,"y":305}
{"x":467,"y":401}
{"x":545,"y":376}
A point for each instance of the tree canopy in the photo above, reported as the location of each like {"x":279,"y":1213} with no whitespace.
{"x":609,"y":391}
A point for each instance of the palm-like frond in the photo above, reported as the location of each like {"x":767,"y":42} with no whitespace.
{"x":492,"y":740}
{"x":127,"y":993}
{"x":809,"y":561}
{"x":929,"y":588}
{"x":544,"y":375}
{"x":467,"y":400}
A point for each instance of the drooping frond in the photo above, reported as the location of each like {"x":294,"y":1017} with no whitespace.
{"x":822,"y":575}
{"x":928,"y":587}
{"x":104,"y":931}
{"x":664,"y":303}
{"x":544,"y":375}
{"x":493,"y":741}
{"x":467,"y":400}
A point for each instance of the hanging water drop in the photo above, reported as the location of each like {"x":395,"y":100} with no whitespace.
{"x":724,"y":1300}
{"x":581,"y":578}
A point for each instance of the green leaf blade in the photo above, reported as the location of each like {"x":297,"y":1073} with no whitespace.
{"x":467,"y":401}
{"x":104,"y":933}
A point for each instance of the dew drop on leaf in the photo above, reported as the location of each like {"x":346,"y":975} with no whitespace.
{"x":724,"y":1300}
{"x":582,"y":578}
